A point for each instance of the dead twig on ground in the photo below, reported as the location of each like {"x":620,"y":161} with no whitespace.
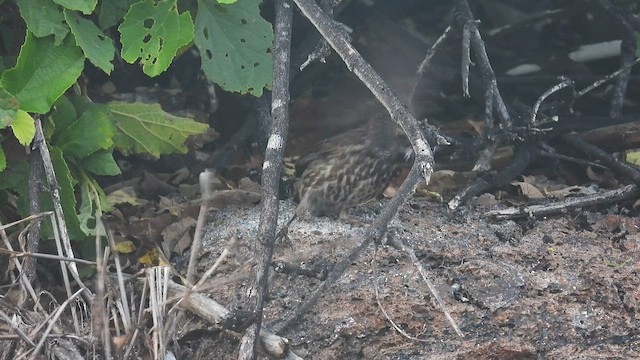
{"x":625,"y":169}
{"x":398,"y":244}
{"x":520,"y":161}
{"x":216,"y":314}
{"x":607,"y":197}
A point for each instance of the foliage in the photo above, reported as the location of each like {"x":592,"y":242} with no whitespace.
{"x":55,"y":40}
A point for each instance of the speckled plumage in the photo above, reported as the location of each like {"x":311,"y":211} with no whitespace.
{"x":351,"y":168}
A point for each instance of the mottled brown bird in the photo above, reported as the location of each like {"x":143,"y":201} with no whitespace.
{"x":351,"y":168}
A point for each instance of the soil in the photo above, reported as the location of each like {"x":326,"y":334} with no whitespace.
{"x":559,"y":288}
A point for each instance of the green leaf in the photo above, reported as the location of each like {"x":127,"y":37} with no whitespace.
{"x":85,"y":213}
{"x":146,"y":128}
{"x":101,"y":163}
{"x":83,"y":104}
{"x":66,"y":181}
{"x":24,"y":128}
{"x":3,"y":159}
{"x":17,"y":178}
{"x":112,"y":11}
{"x":227,"y":1}
{"x":60,"y":119}
{"x":8,"y":108}
{"x":43,"y":72}
{"x":153,"y":31}
{"x":44,"y":18}
{"x":91,"y":132}
{"x":97,"y":47}
{"x":86,"y":6}
{"x":92,"y":199}
{"x":234,"y":43}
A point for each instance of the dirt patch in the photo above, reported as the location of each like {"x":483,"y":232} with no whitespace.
{"x":559,"y":288}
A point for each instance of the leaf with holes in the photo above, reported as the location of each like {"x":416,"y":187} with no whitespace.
{"x":147,"y":129}
{"x":235,"y":45}
{"x":153,"y":31}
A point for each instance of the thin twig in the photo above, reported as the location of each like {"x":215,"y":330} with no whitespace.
{"x":17,"y":330}
{"x":100,"y":316}
{"x":606,"y":78}
{"x":54,"y":189}
{"x":425,"y":277}
{"x":23,"y":279}
{"x":206,"y":193}
{"x":627,"y":170}
{"x":219,"y":260}
{"x":607,"y":197}
{"x":466,"y":20}
{"x":271,"y":170}
{"x":466,"y":59}
{"x":555,"y":155}
{"x":387,"y":97}
{"x":122,"y":299}
{"x":424,"y":65}
{"x":45,"y":256}
{"x":28,"y":218}
{"x":564,"y":82}
{"x":35,"y":188}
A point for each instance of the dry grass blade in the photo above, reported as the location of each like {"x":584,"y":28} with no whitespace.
{"x":26,"y":285}
{"x":45,"y":256}
{"x":52,"y":322}
{"x":28,"y":218}
{"x":158,"y":278}
{"x":15,"y":328}
{"x":123,"y":302}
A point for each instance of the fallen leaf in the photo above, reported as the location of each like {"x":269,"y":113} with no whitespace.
{"x":125,"y":247}
{"x":125,"y":195}
{"x":570,"y":191}
{"x":633,"y":157}
{"x":183,"y":243}
{"x":174,"y":233}
{"x":528,"y":190}
{"x":154,"y":257}
{"x":155,"y":185}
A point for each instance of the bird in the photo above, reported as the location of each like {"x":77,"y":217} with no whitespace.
{"x":351,"y":168}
